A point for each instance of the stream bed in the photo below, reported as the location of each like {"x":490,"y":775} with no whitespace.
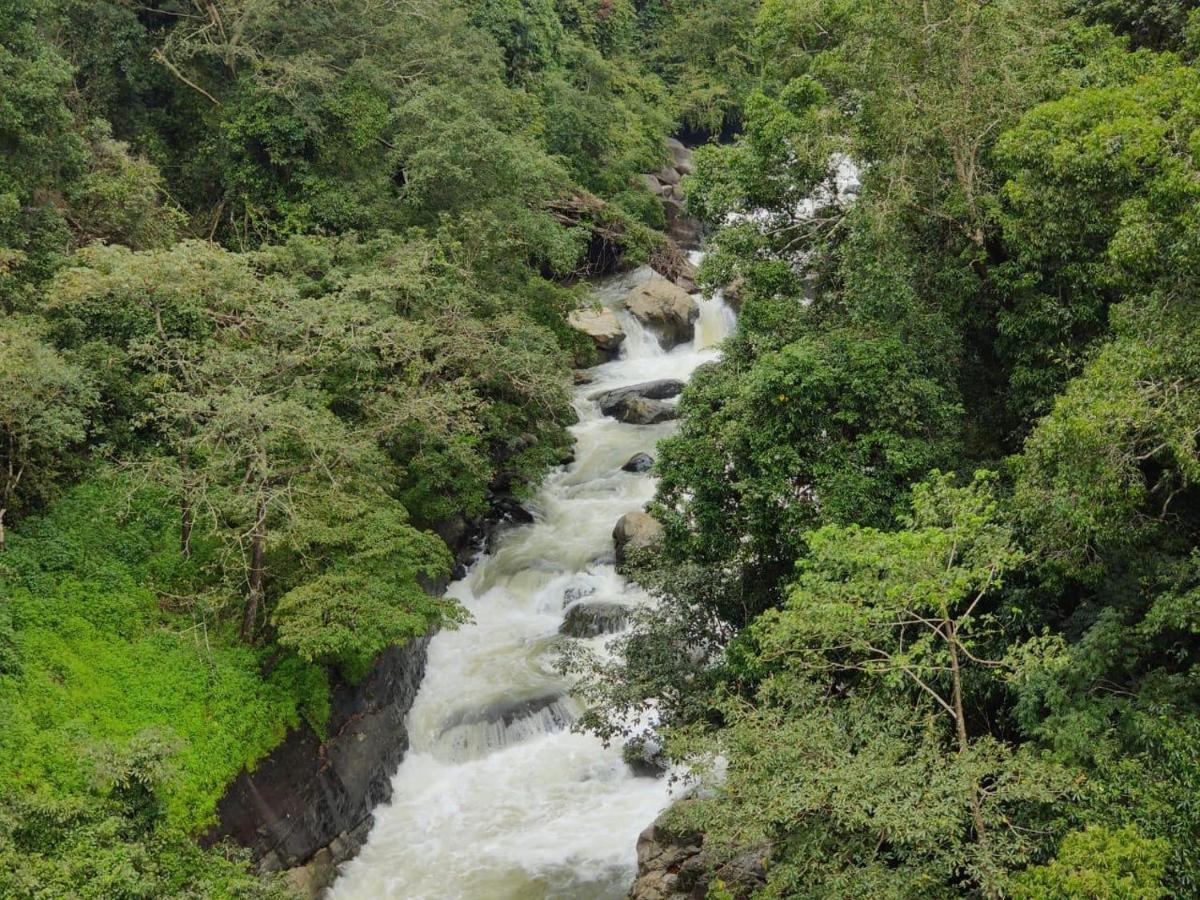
{"x":497,"y":798}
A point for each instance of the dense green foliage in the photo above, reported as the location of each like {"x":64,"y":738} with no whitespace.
{"x":104,"y":661}
{"x":284,"y":292}
{"x":917,"y":684}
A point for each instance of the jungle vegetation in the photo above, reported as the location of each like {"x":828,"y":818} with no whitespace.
{"x":930,"y":583}
{"x":283,"y":297}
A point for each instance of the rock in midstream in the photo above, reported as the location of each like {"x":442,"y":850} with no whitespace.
{"x":602,"y":327}
{"x":666,"y":308}
{"x":639,"y":462}
{"x":593,"y":619}
{"x":659,"y":389}
{"x":636,"y":531}
{"x":640,"y":411}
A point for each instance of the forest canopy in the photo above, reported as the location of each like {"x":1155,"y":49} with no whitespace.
{"x":284,"y":292}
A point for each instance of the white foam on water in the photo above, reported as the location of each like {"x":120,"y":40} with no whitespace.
{"x":497,"y":799}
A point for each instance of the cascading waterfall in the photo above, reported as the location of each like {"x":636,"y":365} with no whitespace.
{"x":497,"y":798}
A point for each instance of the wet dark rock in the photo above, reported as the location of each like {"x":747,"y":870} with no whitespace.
{"x":311,"y":795}
{"x":644,"y":756}
{"x":593,"y":619}
{"x":641,"y":404}
{"x":661,"y":389}
{"x":673,"y":865}
{"x":639,"y":462}
{"x":455,"y":531}
{"x":475,"y":732}
{"x":639,"y":411}
{"x":510,"y":509}
{"x":503,"y":712}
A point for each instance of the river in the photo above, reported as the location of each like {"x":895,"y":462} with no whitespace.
{"x":497,"y":799}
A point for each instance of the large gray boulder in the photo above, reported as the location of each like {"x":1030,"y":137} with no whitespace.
{"x":686,"y":277}
{"x":641,"y":411}
{"x":593,"y":619}
{"x":601,"y":326}
{"x":681,"y":156}
{"x":640,"y":404}
{"x":639,"y":462}
{"x":665,"y":308}
{"x":635,"y":531}
{"x":661,"y":389}
{"x":682,"y":228}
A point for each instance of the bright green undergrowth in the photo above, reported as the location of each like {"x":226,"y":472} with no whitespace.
{"x":108,"y":650}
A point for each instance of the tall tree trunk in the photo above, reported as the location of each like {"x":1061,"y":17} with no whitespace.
{"x":8,"y":494}
{"x":258,"y":550}
{"x":185,"y":508}
{"x":960,"y":722}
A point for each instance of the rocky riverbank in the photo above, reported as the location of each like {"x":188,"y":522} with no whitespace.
{"x":308,"y":806}
{"x":673,"y":864}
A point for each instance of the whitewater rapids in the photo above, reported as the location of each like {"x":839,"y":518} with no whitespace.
{"x":497,"y":799}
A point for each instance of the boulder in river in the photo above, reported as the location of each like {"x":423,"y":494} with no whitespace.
{"x":660,"y":389}
{"x":639,"y":462}
{"x":635,"y":531}
{"x":509,"y":509}
{"x":593,"y":619}
{"x":474,"y":733}
{"x":601,"y":326}
{"x":666,"y":308}
{"x":644,"y":755}
{"x":641,"y":411}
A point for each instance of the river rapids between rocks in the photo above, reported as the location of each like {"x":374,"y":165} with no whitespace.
{"x":497,"y":798}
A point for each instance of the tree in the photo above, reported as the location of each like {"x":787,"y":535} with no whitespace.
{"x":1101,"y":202}
{"x":256,"y":453}
{"x":363,"y":582}
{"x":705,"y":54}
{"x":830,"y":428}
{"x":1115,"y":464}
{"x":141,"y":321}
{"x":45,"y":403}
{"x":1098,"y":864}
{"x":856,"y":758}
{"x":39,"y":150}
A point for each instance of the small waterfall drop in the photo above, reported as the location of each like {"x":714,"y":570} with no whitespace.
{"x":497,"y":799}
